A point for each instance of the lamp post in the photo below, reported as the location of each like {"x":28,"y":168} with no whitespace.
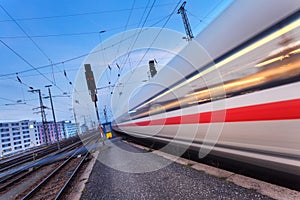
{"x":53,"y":114}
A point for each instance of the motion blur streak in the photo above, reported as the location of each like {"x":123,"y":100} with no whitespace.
{"x":259,"y":86}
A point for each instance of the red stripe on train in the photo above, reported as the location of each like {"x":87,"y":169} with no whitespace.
{"x":282,"y":110}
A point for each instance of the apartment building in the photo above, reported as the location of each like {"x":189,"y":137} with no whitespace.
{"x":47,"y":134}
{"x":18,"y":136}
{"x":69,"y":129}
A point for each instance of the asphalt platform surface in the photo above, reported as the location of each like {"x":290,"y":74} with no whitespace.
{"x":132,"y":177}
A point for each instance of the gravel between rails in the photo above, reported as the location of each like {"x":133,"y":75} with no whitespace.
{"x":55,"y":183}
{"x":29,"y":181}
{"x":73,"y":186}
{"x":174,"y":181}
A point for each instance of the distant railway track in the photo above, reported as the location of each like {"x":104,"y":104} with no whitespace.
{"x":34,"y":154}
{"x":65,"y":167}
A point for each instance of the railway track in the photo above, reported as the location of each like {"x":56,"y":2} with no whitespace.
{"x":53,"y":186}
{"x":66,"y":168}
{"x":17,"y":176}
{"x":11,"y":180}
{"x":38,"y":153}
{"x":33,"y":154}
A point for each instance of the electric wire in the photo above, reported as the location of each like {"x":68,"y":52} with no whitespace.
{"x":80,"y":33}
{"x":82,"y":55}
{"x":83,"y":14}
{"x":36,"y":45}
{"x":126,"y":25}
{"x":27,"y":62}
{"x":166,"y":22}
{"x":28,"y":36}
{"x":140,"y":30}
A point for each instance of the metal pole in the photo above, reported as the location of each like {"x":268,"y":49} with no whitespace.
{"x":105,"y":114}
{"x":44,"y":120}
{"x":76,"y":122}
{"x":53,"y":114}
{"x":98,"y":117}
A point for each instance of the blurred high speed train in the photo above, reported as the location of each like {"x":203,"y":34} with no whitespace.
{"x":245,"y":103}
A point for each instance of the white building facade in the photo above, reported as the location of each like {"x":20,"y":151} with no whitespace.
{"x":69,"y":129}
{"x":18,"y":136}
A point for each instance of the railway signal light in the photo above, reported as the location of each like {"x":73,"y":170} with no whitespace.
{"x":90,"y":80}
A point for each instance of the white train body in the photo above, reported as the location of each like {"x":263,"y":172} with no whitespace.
{"x":251,"y":112}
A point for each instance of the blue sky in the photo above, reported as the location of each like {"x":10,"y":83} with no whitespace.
{"x":63,"y":30}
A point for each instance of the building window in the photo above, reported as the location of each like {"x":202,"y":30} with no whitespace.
{"x":26,"y":145}
{"x":5,"y":140}
{"x":16,"y":143}
{"x":25,"y":127}
{"x":18,"y":147}
{"x":6,"y":145}
{"x":16,"y":133}
{"x":4,"y":130}
{"x":17,"y":138}
{"x":24,"y":132}
{"x":5,"y":135}
{"x":26,"y":136}
{"x":25,"y":141}
{"x":14,"y":124}
{"x":16,"y":128}
{"x":24,"y":123}
{"x":3,"y":125}
{"x":6,"y":150}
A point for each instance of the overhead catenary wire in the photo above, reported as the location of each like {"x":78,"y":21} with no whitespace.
{"x":83,"y":13}
{"x":136,"y":38}
{"x":80,"y":56}
{"x":35,"y":44}
{"x":164,"y":25}
{"x":169,"y":17}
{"x":59,"y":71}
{"x":18,"y":77}
{"x":141,"y":19}
{"x":121,"y":40}
{"x":74,"y":58}
{"x":202,"y":20}
{"x":28,"y":36}
{"x":6,"y":99}
{"x":15,"y":102}
{"x":67,"y":60}
{"x":139,"y":32}
{"x":126,"y":25}
{"x":67,"y":70}
{"x":82,"y":33}
{"x":27,"y":62}
{"x":22,"y":102}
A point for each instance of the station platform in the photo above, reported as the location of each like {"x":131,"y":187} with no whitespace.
{"x":118,"y":175}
